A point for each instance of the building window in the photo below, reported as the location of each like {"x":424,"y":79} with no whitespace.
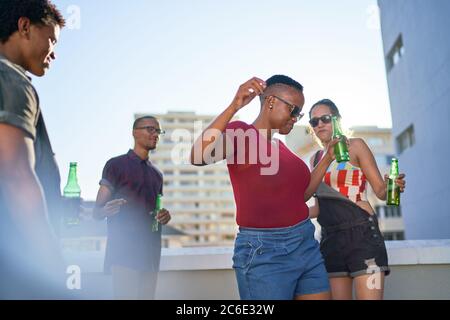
{"x":226,"y":215}
{"x":406,"y":139}
{"x":188,"y":183}
{"x":188,"y":173}
{"x":395,"y":54}
{"x":394,"y":236}
{"x":379,"y":210}
{"x":392,"y":212}
{"x":386,"y":212}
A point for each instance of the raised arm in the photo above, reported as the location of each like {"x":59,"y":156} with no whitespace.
{"x":212,"y":142}
{"x":319,"y":171}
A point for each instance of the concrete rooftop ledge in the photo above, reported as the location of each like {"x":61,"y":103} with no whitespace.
{"x":414,"y":252}
{"x":401,"y":253}
{"x":202,"y":258}
{"x":420,"y":270}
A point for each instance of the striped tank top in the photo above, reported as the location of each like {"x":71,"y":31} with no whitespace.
{"x":347,"y":179}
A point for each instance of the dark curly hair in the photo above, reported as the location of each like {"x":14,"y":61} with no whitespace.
{"x":38,"y":11}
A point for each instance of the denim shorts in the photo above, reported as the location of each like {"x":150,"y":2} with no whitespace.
{"x":279,"y":263}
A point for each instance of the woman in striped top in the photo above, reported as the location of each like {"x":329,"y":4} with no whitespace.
{"x":352,"y":244}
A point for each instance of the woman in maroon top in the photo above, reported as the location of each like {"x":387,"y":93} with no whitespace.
{"x":275,"y":255}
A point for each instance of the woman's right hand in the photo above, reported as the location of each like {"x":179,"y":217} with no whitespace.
{"x":247,"y":92}
{"x":329,"y":152}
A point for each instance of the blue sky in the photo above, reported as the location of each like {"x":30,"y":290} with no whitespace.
{"x":154,"y":56}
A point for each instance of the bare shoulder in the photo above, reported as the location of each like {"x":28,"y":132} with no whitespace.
{"x":358,"y":143}
{"x":359,"y":150}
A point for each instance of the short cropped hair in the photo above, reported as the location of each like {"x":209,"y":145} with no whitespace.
{"x":281,"y":79}
{"x":138,"y":120}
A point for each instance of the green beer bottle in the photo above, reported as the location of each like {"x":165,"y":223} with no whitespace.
{"x":72,"y":193}
{"x":340,"y":149}
{"x":393,"y":190}
{"x":158,"y":207}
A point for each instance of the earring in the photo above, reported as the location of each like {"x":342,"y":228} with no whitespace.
{"x":271,"y":107}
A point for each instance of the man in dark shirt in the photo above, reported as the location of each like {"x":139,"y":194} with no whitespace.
{"x":127,"y":196}
{"x":31,"y":265}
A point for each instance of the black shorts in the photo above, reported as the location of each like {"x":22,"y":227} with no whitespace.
{"x":354,"y":248}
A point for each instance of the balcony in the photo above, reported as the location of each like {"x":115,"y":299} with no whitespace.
{"x":420,"y":270}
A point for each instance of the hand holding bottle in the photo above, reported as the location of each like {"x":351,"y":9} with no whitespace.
{"x":163,"y":216}
{"x":394,"y":184}
{"x":400,"y":181}
{"x":341,"y":148}
{"x":329,"y":151}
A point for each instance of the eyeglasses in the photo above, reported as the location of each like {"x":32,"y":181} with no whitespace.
{"x":152,"y":130}
{"x":295,"y":110}
{"x":314,"y":122}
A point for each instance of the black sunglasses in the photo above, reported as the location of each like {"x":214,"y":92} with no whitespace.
{"x":314,"y":122}
{"x":295,"y":110}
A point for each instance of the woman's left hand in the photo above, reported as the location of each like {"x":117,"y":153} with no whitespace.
{"x":400,"y":181}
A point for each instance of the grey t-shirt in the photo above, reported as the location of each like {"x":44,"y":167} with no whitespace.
{"x":19,"y":107}
{"x":19,"y":102}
